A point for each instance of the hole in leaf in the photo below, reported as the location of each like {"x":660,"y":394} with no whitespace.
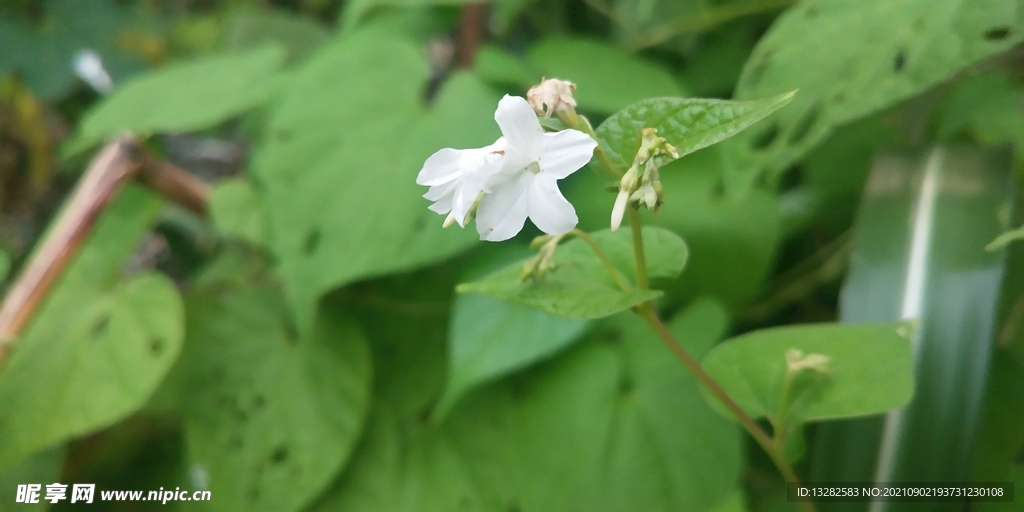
{"x":804,"y":124}
{"x":625,"y":385}
{"x":99,"y":328}
{"x":291,"y":333}
{"x":613,"y":336}
{"x":423,"y":417}
{"x":311,"y":242}
{"x":900,"y":61}
{"x":765,"y":138}
{"x":997,"y":33}
{"x":280,"y":455}
{"x":156,"y":346}
{"x":717,"y":189}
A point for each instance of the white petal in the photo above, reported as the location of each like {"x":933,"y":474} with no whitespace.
{"x":519,"y":125}
{"x":442,"y":196}
{"x":443,"y":166}
{"x":503,"y":212}
{"x":548,"y":208}
{"x":564,"y":152}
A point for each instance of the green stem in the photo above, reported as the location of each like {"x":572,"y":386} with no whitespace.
{"x":619,"y":278}
{"x":648,"y":312}
{"x":769,"y":445}
{"x":638,"y":248}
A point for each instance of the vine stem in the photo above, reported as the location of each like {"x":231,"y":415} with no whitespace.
{"x":649,"y":314}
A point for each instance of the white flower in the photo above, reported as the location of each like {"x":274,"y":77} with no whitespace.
{"x":526,"y":184}
{"x":457,"y":177}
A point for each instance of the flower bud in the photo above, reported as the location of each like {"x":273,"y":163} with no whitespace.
{"x":554,"y":96}
{"x":627,"y":186}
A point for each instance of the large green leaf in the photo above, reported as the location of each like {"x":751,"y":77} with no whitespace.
{"x":272,"y":416}
{"x":870,"y":370}
{"x":688,"y":124}
{"x":99,"y":345}
{"x":237,"y":210}
{"x":615,"y":424}
{"x":582,"y":287}
{"x":489,"y":338}
{"x":889,"y":51}
{"x":607,"y":77}
{"x":184,"y":97}
{"x":340,"y":174}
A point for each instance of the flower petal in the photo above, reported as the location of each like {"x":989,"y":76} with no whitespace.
{"x":564,"y":152}
{"x":503,"y":212}
{"x":548,"y":208}
{"x":519,"y":126}
{"x":443,"y":166}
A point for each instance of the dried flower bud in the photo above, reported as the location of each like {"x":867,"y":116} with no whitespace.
{"x":553,"y":96}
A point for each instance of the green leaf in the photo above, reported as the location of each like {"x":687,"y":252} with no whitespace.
{"x":614,"y":424}
{"x":496,"y":65}
{"x":100,"y":344}
{"x":731,"y":243}
{"x":607,"y":77}
{"x":985,"y":106}
{"x":41,"y":468}
{"x":183,"y":97}
{"x":918,"y":252}
{"x":734,"y":503}
{"x":870,"y":369}
{"x":490,"y":338}
{"x":890,"y":51}
{"x":270,"y":415}
{"x":300,"y":36}
{"x":236,"y":209}
{"x":581,"y":287}
{"x":688,"y":124}
{"x":340,"y":175}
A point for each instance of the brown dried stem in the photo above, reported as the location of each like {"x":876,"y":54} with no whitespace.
{"x":117,"y":163}
{"x":106,"y":175}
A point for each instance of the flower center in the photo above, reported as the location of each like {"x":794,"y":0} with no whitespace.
{"x":533,"y":167}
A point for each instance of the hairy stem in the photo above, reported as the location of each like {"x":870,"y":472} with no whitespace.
{"x":616,"y":275}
